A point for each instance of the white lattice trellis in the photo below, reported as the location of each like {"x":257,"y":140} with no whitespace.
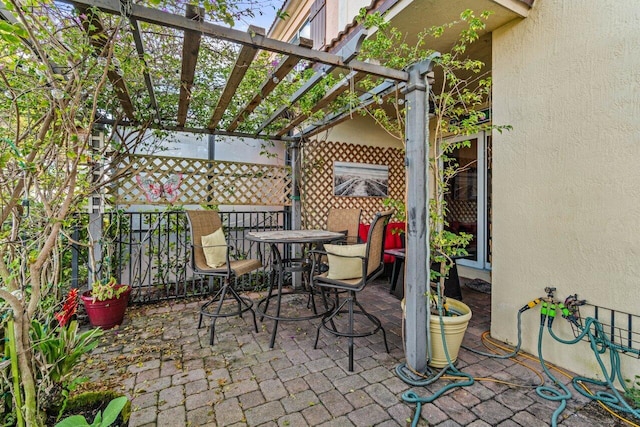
{"x":204,"y":182}
{"x":317,"y":170}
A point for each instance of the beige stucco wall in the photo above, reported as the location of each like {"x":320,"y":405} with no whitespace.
{"x":566,"y":180}
{"x":361,"y":130}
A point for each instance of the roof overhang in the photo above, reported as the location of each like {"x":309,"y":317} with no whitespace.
{"x":414,"y":16}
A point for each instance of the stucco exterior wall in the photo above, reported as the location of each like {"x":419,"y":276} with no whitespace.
{"x":361,"y":130}
{"x":566,"y":181}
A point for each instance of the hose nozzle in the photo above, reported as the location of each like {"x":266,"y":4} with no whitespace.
{"x":530,"y":304}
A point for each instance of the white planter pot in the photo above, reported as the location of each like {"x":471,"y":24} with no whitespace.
{"x":454,"y":329}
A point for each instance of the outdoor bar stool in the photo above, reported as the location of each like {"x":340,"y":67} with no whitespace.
{"x":345,"y":221}
{"x":210,"y":256}
{"x":351,"y":268}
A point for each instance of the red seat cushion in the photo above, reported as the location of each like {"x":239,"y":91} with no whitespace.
{"x":392,"y":239}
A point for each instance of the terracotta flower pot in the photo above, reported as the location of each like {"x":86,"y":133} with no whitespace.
{"x":106,"y":314}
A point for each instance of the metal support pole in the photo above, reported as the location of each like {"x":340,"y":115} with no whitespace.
{"x":95,"y":233}
{"x":296,"y":207}
{"x":417,"y":242}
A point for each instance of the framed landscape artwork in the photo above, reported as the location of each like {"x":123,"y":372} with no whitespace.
{"x":360,"y":180}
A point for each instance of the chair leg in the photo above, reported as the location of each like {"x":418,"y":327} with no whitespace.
{"x":223,"y":292}
{"x":244,"y":304}
{"x":212,"y":300}
{"x":373,"y":320}
{"x":329,"y":319}
{"x":240,"y":302}
{"x":351,"y":299}
{"x":352,"y":308}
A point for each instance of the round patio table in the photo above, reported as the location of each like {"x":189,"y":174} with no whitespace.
{"x":280,"y":266}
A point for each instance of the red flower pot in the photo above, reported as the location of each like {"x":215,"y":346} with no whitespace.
{"x":106,"y":314}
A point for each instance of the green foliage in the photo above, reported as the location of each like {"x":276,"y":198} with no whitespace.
{"x":57,"y":352}
{"x":632,"y":393}
{"x":398,"y":206}
{"x":60,"y":349}
{"x":105,"y":419}
{"x":460,"y":90}
{"x":106,"y":289}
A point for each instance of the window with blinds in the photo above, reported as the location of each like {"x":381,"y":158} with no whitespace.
{"x":317,"y":18}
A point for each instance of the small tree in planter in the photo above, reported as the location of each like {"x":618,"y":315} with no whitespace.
{"x":462,"y":88}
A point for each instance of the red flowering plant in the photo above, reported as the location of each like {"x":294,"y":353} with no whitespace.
{"x":58,"y":350}
{"x":69,"y":308}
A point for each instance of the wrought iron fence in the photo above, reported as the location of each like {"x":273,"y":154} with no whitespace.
{"x":151,"y":252}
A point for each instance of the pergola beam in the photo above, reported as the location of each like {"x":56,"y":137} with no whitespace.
{"x":166,"y":19}
{"x":190,"y":50}
{"x":137,"y":39}
{"x":205,"y":131}
{"x":348,"y":52}
{"x":309,"y":84}
{"x":341,"y":87}
{"x":95,"y":30}
{"x":285,"y":67}
{"x":381,"y":91}
{"x":240,"y":68}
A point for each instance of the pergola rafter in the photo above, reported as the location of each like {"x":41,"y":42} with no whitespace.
{"x":190,"y":50}
{"x":137,"y":39}
{"x":349,"y":52}
{"x":341,"y":87}
{"x":380,"y":92}
{"x":240,"y":68}
{"x":101,"y":43}
{"x":287,"y":64}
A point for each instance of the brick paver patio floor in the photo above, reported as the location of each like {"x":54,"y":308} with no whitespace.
{"x":175,"y":378}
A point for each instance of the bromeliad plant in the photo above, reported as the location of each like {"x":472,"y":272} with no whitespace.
{"x":105,"y":419}
{"x":58,"y":348}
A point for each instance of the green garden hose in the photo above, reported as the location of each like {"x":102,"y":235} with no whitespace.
{"x":549,"y":308}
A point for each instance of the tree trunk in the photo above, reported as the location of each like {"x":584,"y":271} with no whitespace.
{"x":24,"y":354}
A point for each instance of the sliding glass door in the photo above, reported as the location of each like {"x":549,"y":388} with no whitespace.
{"x":469,"y":198}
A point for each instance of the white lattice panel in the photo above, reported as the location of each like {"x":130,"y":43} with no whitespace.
{"x":150,"y":180}
{"x":317,"y":171}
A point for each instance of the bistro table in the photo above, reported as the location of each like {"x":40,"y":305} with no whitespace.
{"x":280,"y":266}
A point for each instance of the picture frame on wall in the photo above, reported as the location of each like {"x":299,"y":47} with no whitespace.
{"x":360,"y":180}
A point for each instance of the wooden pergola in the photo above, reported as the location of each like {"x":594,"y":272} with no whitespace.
{"x":413,"y":83}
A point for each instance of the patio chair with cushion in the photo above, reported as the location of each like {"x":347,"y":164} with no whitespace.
{"x":210,"y":256}
{"x":351,"y":268}
{"x":345,"y":221}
